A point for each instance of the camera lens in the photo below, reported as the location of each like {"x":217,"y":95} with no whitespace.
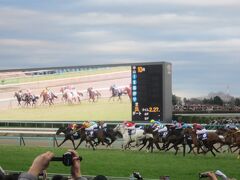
{"x":67,"y":159}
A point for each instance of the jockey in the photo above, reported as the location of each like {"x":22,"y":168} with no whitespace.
{"x":200,"y":131}
{"x":185,"y":125}
{"x":72,"y":127}
{"x":102,"y":125}
{"x":176,"y":125}
{"x":20,"y":92}
{"x":45,"y":90}
{"x":86,"y":124}
{"x":29,"y":92}
{"x":114,"y":86}
{"x":231,"y":127}
{"x":90,"y":126}
{"x":130,"y":126}
{"x":158,"y":126}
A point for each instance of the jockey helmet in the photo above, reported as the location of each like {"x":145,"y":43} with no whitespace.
{"x":85,"y":123}
{"x":74,"y":126}
{"x":152,"y":121}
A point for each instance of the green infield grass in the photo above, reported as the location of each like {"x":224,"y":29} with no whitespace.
{"x":119,"y":163}
{"x":64,"y":75}
{"x":101,"y":110}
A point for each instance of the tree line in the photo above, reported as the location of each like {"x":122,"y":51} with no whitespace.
{"x":217,"y":100}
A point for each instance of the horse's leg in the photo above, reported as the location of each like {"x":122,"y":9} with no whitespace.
{"x":215,"y":149}
{"x":157,"y":145}
{"x":235,"y":149}
{"x":220,"y":147}
{"x":176,"y":148}
{"x":238,"y":154}
{"x":211,"y":149}
{"x":112,"y":141}
{"x":190,"y":147}
{"x":90,"y":142}
{"x":72,"y":139}
{"x":82,"y":139}
{"x":184,"y":149}
{"x":107,"y":141}
{"x":169,"y":148}
{"x":150,"y":145}
{"x":62,"y":142}
{"x":165,"y":145}
{"x":144,"y":144}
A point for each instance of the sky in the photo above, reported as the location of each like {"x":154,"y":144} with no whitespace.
{"x":200,"y":38}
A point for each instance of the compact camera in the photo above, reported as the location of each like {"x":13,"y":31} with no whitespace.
{"x":67,"y":159}
{"x":203,"y":175}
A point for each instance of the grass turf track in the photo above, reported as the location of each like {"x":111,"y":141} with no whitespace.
{"x":121,"y":164}
{"x":101,"y":110}
{"x":64,"y":75}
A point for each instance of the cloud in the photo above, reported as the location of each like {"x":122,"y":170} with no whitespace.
{"x":98,"y":19}
{"x":160,"y":2}
{"x":220,"y":46}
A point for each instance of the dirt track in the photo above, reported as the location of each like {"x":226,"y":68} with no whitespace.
{"x":99,"y":81}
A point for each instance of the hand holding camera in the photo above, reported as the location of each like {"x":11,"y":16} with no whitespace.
{"x":70,"y":158}
{"x":213,"y":175}
{"x":67,"y":158}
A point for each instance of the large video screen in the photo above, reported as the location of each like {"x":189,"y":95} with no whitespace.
{"x":66,"y":94}
{"x":138,"y":92}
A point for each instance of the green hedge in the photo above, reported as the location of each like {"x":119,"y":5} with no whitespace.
{"x":197,"y":119}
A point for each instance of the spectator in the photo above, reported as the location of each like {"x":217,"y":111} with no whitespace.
{"x":100,"y":177}
{"x":214,"y":175}
{"x":41,"y":163}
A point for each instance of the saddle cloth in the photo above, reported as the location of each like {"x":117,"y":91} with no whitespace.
{"x":202,"y":136}
{"x":131,"y":131}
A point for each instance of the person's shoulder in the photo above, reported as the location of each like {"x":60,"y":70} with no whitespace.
{"x":27,"y":176}
{"x":81,"y":178}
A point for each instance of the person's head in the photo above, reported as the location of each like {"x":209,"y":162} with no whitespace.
{"x":74,"y":126}
{"x":152,"y":121}
{"x":85,"y":123}
{"x":100,"y":177}
{"x":59,"y":177}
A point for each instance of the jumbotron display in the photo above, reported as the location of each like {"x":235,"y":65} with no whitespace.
{"x":137,"y":92}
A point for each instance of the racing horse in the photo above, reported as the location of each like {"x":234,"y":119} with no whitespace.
{"x":212,"y":138}
{"x":48,"y":97}
{"x":128,"y":139}
{"x":70,"y":96}
{"x":128,"y":91}
{"x":107,"y":136}
{"x":115,"y":93}
{"x":29,"y":98}
{"x":93,"y":95}
{"x":85,"y":137}
{"x":151,"y":142}
{"x":68,"y":135}
{"x":227,"y":135}
{"x":18,"y":95}
{"x":176,"y":138}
